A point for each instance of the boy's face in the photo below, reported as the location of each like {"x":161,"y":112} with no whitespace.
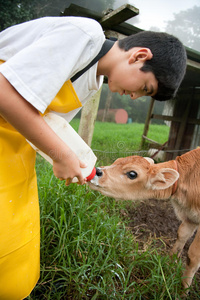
{"x":127,"y":78}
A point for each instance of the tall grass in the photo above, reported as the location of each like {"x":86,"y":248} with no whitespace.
{"x":87,"y":251}
{"x":111,"y":140}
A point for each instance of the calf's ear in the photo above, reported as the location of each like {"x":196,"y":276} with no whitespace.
{"x":163,"y":179}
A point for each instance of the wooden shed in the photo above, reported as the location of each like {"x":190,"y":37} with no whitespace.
{"x":185,"y":131}
{"x":185,"y":119}
{"x":185,"y":116}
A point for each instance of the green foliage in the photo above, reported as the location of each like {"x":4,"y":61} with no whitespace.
{"x":15,"y":11}
{"x":111,"y":140}
{"x":55,"y":7}
{"x":85,"y":246}
{"x":98,"y":6}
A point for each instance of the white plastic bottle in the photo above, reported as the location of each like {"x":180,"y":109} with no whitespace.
{"x":64,"y":130}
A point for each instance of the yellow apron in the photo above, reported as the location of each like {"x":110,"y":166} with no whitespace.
{"x":19,"y":206}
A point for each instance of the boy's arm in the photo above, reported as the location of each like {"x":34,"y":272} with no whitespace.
{"x":27,"y":120}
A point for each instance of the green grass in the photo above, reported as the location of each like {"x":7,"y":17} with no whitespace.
{"x":111,"y":140}
{"x":87,"y":251}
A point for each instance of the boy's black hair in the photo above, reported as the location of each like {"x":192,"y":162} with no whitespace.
{"x":168,"y":63}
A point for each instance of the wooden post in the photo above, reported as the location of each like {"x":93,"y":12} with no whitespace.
{"x":88,"y":117}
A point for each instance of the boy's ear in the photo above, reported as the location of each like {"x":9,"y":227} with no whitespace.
{"x":140,"y":54}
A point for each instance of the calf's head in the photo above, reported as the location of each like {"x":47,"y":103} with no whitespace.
{"x":133,"y":178}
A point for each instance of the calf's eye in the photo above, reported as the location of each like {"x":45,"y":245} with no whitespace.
{"x":131,"y":175}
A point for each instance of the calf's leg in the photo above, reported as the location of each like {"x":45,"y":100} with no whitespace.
{"x":193,"y":262}
{"x":185,"y":231}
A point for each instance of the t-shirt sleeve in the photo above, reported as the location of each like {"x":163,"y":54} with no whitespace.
{"x":39,"y":69}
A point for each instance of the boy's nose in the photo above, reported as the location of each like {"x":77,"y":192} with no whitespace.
{"x":134,"y":95}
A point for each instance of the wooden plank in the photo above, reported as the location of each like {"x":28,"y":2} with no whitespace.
{"x":152,"y":141}
{"x":113,"y":18}
{"x":166,"y":118}
{"x":175,"y":119}
{"x":119,"y":15}
{"x":79,"y":11}
{"x":126,"y":29}
{"x":76,"y":10}
{"x":111,"y":33}
{"x":193,"y":64}
{"x":193,"y":121}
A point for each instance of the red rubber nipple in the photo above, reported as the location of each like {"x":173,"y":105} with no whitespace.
{"x":91,"y":176}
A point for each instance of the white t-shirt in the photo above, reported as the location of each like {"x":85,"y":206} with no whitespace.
{"x":42,"y":54}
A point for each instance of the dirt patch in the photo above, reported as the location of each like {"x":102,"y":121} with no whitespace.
{"x":155,"y":219}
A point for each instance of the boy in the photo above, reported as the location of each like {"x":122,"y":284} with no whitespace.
{"x":39,"y":58}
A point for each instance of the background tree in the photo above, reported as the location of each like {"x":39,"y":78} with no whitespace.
{"x":186,"y":27}
{"x":14,"y":11}
{"x":17,"y":11}
{"x":54,"y":7}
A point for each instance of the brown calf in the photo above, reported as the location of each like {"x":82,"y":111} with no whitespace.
{"x":138,"y":178}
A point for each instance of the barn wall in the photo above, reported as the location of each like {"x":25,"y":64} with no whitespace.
{"x":183,"y":135}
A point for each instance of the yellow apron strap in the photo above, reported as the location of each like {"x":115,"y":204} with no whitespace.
{"x":66,"y":99}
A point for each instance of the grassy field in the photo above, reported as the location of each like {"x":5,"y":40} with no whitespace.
{"x":111,"y":140}
{"x":87,"y":250}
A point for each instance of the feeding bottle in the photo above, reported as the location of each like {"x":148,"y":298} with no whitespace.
{"x":64,"y":130}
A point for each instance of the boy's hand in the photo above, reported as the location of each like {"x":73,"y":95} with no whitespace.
{"x":68,"y":166}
